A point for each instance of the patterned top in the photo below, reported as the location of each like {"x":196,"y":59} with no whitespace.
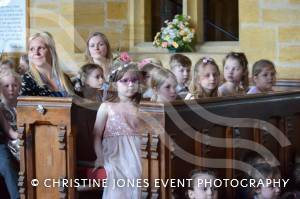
{"x":119,"y":123}
{"x":10,"y":115}
{"x":30,"y":87}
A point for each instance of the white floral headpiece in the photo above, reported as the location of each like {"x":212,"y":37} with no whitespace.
{"x":207,"y":59}
{"x":113,"y":73}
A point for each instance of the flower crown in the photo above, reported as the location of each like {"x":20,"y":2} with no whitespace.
{"x":114,"y":72}
{"x":119,"y":69}
{"x":207,"y":60}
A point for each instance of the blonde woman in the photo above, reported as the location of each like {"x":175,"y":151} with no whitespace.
{"x":45,"y":77}
{"x":98,"y":51}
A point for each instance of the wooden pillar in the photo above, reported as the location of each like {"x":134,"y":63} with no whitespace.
{"x":194,"y":9}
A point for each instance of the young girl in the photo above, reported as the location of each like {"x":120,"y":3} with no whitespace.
{"x":205,"y":79}
{"x":98,"y":51}
{"x":9,"y":86}
{"x":163,"y":84}
{"x":147,"y":71}
{"x":198,"y":190}
{"x":264,"y":77}
{"x":117,"y":134}
{"x":10,"y":83}
{"x":94,"y":86}
{"x":235,"y":74}
{"x":263,"y":172}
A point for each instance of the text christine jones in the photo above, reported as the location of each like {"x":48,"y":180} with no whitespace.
{"x":174,"y":183}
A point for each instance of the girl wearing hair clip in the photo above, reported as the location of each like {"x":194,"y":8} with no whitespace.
{"x":235,"y":74}
{"x":117,"y":134}
{"x":205,"y":79}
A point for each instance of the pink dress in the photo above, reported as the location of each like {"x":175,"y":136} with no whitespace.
{"x":121,"y":146}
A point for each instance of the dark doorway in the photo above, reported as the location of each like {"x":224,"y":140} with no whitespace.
{"x":162,"y":10}
{"x":221,"y":20}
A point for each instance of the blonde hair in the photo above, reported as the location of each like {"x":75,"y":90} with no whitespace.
{"x":10,"y":72}
{"x":242,"y":59}
{"x":158,"y":77}
{"x":11,"y":64}
{"x":195,"y":89}
{"x":56,"y":70}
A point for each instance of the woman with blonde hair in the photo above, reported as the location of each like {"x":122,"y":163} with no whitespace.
{"x":98,"y":51}
{"x":45,"y":77}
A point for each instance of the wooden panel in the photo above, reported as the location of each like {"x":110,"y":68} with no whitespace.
{"x":49,"y":159}
{"x":47,"y":145}
{"x":174,"y":141}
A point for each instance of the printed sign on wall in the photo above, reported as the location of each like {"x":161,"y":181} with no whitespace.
{"x":12,"y":26}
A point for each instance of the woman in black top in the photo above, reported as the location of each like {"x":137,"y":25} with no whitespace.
{"x":44,"y":78}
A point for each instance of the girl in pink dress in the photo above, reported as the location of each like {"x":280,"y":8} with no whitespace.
{"x":117,"y":135}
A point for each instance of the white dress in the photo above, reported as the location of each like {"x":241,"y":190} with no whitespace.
{"x":121,"y":146}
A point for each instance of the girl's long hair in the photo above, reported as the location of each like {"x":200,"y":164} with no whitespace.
{"x":195,"y":88}
{"x":242,"y":59}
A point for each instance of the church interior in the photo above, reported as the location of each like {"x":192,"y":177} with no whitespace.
{"x":218,"y":135}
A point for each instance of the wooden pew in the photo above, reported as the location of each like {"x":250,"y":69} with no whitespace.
{"x":178,"y":138}
{"x":280,"y":109}
{"x":56,"y":134}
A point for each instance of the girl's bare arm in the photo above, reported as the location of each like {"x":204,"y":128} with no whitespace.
{"x":98,"y":132}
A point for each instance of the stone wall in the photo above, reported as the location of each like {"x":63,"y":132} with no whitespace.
{"x":268,"y":29}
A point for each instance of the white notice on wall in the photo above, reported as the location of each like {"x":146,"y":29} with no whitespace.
{"x":12,"y":26}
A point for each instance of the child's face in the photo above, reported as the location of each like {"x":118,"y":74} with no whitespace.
{"x":128,"y":85}
{"x":182,"y":74}
{"x":269,"y":192}
{"x":9,"y":87}
{"x":167,"y":91}
{"x":39,"y":53}
{"x":265,"y":80}
{"x":209,"y":77}
{"x":200,"y":191}
{"x":94,"y":79}
{"x":233,"y":71}
{"x":97,"y":48}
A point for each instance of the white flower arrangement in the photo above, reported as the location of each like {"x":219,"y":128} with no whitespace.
{"x":177,"y":35}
